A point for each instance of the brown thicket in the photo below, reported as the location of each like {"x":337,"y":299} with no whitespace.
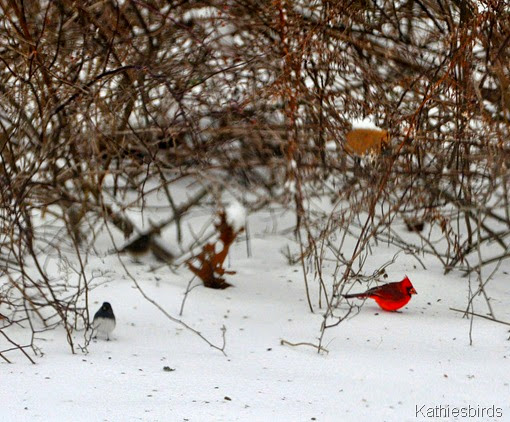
{"x":103,"y":102}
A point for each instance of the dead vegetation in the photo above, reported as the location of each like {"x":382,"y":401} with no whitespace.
{"x":104,"y":103}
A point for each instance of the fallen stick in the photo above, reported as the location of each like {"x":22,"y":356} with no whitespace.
{"x":481,"y":316}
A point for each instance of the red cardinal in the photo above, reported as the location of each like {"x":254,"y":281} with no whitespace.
{"x":391,"y":296}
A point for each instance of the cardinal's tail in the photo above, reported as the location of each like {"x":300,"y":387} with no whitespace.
{"x":355,"y":296}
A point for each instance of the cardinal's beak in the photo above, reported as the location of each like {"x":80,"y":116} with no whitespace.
{"x":413,"y":291}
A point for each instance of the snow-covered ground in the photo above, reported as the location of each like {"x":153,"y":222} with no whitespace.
{"x":380,"y":367}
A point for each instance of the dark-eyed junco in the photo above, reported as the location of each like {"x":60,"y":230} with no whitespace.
{"x":104,"y":320}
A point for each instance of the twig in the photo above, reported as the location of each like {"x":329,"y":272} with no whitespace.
{"x":315,"y":346}
{"x":248,"y":239}
{"x":16,"y":346}
{"x":176,"y":320}
{"x":188,"y":289}
{"x":481,"y":316}
{"x":303,"y":267}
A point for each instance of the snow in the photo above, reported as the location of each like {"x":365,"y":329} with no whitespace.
{"x":380,"y":367}
{"x":236,"y":215}
{"x":365,"y":123}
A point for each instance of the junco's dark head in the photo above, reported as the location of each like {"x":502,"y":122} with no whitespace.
{"x":105,"y":311}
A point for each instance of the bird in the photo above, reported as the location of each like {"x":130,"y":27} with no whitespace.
{"x":145,"y":243}
{"x":161,"y":253}
{"x":104,"y":320}
{"x":390,"y":296}
{"x":139,"y":246}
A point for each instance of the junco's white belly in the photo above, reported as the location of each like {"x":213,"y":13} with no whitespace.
{"x":103,"y":325}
